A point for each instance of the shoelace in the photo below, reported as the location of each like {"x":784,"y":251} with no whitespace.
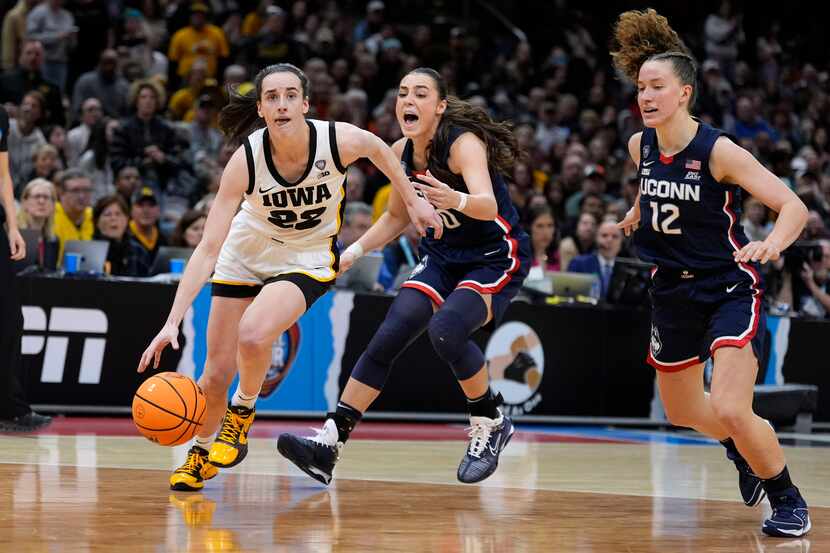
{"x":230,"y":432}
{"x":192,"y":463}
{"x":479,"y":437}
{"x":321,"y":436}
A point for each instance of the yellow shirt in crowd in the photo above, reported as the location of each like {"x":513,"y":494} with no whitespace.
{"x":188,"y":45}
{"x":65,"y":228}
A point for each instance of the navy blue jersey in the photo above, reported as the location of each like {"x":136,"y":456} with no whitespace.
{"x":688,"y":220}
{"x":461,"y":231}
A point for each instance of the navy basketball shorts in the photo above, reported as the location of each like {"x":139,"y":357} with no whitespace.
{"x":695,"y":314}
{"x":497,"y":270}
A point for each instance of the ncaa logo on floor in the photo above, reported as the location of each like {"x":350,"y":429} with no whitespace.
{"x":516,"y":362}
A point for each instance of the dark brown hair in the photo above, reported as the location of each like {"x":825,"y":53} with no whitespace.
{"x":107,"y":201}
{"x":189,"y":217}
{"x":502,"y":148}
{"x":641,"y":36}
{"x":239,"y":118}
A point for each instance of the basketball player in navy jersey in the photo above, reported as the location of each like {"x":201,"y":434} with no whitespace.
{"x":456,"y":155}
{"x":707,"y":293}
{"x":271,"y":258}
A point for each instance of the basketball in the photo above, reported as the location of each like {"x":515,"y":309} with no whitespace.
{"x":168,"y":408}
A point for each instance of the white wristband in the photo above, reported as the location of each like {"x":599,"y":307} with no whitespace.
{"x":462,"y":202}
{"x":355,"y":249}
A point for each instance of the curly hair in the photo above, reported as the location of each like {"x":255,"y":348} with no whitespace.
{"x":641,"y":36}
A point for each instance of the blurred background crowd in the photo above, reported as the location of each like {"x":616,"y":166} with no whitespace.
{"x":113,"y":108}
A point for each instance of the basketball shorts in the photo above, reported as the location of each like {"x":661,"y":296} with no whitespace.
{"x":497,"y":270}
{"x":250,"y":259}
{"x":695,"y":314}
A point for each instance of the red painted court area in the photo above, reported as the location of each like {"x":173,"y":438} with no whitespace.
{"x":264,"y":428}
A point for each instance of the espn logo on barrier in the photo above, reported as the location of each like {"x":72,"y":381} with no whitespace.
{"x":71,"y":322}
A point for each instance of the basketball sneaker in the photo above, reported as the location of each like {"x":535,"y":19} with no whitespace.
{"x":315,"y":455}
{"x":192,"y":474}
{"x":790,"y":517}
{"x":488,"y":438}
{"x":752,"y":490}
{"x":231,"y":446}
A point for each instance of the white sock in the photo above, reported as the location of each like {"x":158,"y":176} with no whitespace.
{"x":241,"y":399}
{"x":204,"y":443}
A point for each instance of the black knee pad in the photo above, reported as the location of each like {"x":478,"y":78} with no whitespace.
{"x":450,"y":333}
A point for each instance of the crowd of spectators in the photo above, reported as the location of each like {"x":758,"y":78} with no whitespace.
{"x":114,"y":106}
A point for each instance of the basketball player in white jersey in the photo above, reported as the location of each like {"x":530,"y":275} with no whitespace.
{"x":272,"y":259}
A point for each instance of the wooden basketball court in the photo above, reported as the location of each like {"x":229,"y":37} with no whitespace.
{"x":92,"y":485}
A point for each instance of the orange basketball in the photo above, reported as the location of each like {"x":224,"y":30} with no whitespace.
{"x":169,"y":408}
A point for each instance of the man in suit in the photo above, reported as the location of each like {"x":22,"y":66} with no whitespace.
{"x":601,"y":263}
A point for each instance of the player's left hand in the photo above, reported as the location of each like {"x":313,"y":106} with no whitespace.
{"x":424,"y":216}
{"x":439,"y":194}
{"x":17,"y":245}
{"x":758,"y":251}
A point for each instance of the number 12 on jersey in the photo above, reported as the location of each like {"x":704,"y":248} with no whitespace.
{"x":668,"y":213}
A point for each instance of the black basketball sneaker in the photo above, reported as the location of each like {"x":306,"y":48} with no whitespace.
{"x":315,"y":455}
{"x":752,"y":490}
{"x":790,"y":516}
{"x":488,"y":438}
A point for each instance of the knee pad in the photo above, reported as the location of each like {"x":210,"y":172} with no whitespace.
{"x":406,"y":320}
{"x":449,"y":335}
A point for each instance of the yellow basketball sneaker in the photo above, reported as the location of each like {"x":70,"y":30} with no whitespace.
{"x":231,"y":446}
{"x":192,"y":474}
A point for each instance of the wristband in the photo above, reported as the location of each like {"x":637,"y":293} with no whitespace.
{"x":356,"y":250}
{"x":462,"y":202}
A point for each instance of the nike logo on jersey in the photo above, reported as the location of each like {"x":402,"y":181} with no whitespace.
{"x":261,"y":191}
{"x":647,"y":163}
{"x":730,"y":288}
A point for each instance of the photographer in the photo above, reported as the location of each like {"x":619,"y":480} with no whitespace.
{"x":815,"y":275}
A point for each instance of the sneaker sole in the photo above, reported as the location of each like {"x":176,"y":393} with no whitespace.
{"x":774,"y":532}
{"x":489,"y":474}
{"x":239,"y":458}
{"x":287,"y":450}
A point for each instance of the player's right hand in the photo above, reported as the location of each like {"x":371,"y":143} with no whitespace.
{"x":346,"y":261}
{"x":631,"y":220}
{"x":168,"y":334}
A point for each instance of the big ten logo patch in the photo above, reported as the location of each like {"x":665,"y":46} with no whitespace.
{"x":51,"y":335}
{"x":516,"y":361}
{"x":283,"y":354}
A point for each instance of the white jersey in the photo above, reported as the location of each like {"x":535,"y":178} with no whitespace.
{"x":308,"y":211}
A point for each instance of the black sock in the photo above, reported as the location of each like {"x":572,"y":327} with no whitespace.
{"x":345,"y":418}
{"x":731,"y":449}
{"x":484,"y":406}
{"x":778,"y":484}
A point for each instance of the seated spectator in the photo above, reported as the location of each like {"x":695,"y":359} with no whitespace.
{"x":14,"y":32}
{"x":27,"y":77}
{"x":601,"y":263}
{"x":37,"y":202}
{"x":816,"y":276}
{"x":45,"y":162}
{"x":95,"y":161}
{"x":78,"y":137}
{"x":204,"y":137}
{"x":357,"y":218}
{"x":25,"y":137}
{"x":144,"y":230}
{"x":55,"y":28}
{"x":583,"y":240}
{"x":127,"y":181}
{"x":398,"y":254}
{"x":146,"y":140}
{"x":542,"y":229}
{"x":184,"y":100}
{"x":593,"y":183}
{"x":189,"y":230}
{"x":199,"y":40}
{"x":755,"y":221}
{"x":105,"y":84}
{"x":111,"y":218}
{"x":73,"y":213}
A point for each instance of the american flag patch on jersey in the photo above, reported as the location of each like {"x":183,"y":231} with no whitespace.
{"x":693,"y":164}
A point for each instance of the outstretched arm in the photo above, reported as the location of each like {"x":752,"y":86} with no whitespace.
{"x":202,"y":262}
{"x":731,"y":163}
{"x":354,"y":143}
